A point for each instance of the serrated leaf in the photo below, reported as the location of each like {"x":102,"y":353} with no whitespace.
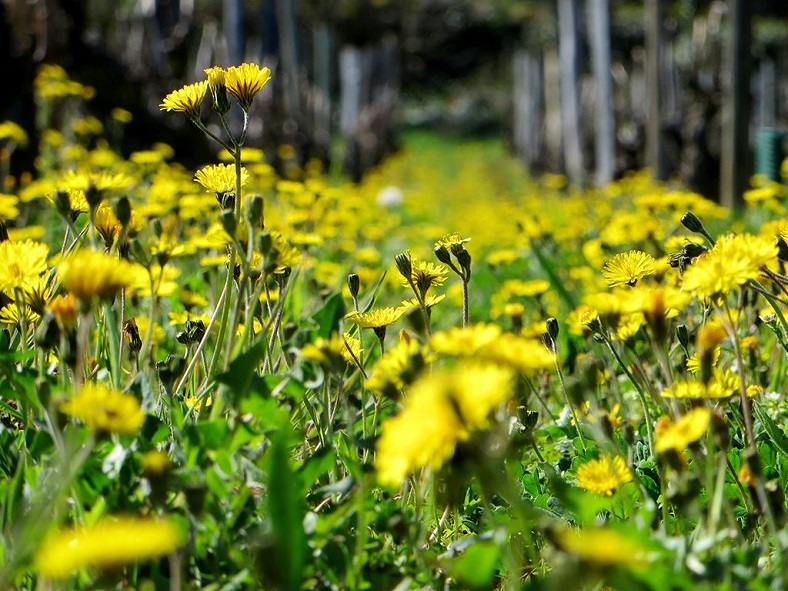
{"x":237,"y":380}
{"x":776,"y":434}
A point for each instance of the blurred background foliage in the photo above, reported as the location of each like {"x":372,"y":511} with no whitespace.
{"x":348,"y":74}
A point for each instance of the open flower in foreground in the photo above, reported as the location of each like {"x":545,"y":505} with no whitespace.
{"x":627,"y":268}
{"x":112,"y":542}
{"x":103,"y":409}
{"x":734,"y":260}
{"x":245,"y":81}
{"x":441,"y":410}
{"x":603,"y":476}
{"x":220,"y":178}
{"x":89,"y":274}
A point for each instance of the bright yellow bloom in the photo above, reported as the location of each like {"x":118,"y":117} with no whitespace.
{"x":426,"y":274}
{"x":156,"y":462}
{"x":103,"y":409}
{"x":334,"y":353}
{"x":397,"y":367}
{"x":688,"y":429}
{"x":723,"y":384}
{"x":375,"y":318}
{"x":112,"y":542}
{"x":602,"y":547}
{"x":694,"y":361}
{"x":21,"y":263}
{"x":89,"y":274}
{"x":465,"y":341}
{"x":627,"y":268}
{"x":521,"y":354}
{"x":603,"y":476}
{"x":220,"y":178}
{"x":441,"y":410}
{"x":102,"y":180}
{"x":186,"y":100}
{"x":734,"y":260}
{"x":245,"y":81}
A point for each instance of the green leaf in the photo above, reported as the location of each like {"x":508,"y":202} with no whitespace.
{"x":329,"y":315}
{"x":237,"y":380}
{"x":287,"y":514}
{"x":775,"y":433}
{"x":212,"y":434}
{"x":476,"y":567}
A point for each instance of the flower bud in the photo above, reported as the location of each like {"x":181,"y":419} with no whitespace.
{"x":682,"y":334}
{"x":404,"y":265}
{"x":254,"y":210}
{"x":353,"y":283}
{"x":123,"y":211}
{"x":229,"y":223}
{"x":218,"y":89}
{"x":442,"y":254}
{"x":690,"y":221}
{"x":552,"y":328}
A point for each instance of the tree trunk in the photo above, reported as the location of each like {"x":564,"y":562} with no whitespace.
{"x":233,"y":31}
{"x":736,"y":160}
{"x":655,"y":140}
{"x":570,"y":101}
{"x":605,"y":124}
{"x":529,"y":108}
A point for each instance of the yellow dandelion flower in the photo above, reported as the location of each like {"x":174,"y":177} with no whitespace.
{"x":103,"y":409}
{"x":688,"y":429}
{"x":734,"y":260}
{"x":22,"y":263}
{"x":245,"y":81}
{"x":430,"y":300}
{"x":601,"y":547}
{"x":465,"y":341}
{"x":627,"y":268}
{"x":375,"y":318}
{"x":723,"y":384}
{"x":89,"y":274}
{"x":10,"y":315}
{"x":694,"y":361}
{"x":441,"y":410}
{"x":156,"y":463}
{"x":603,"y":476}
{"x":12,"y":132}
{"x":186,"y":100}
{"x":112,"y":542}
{"x":220,"y":178}
{"x":397,"y":368}
{"x":518,"y":353}
{"x":64,"y":307}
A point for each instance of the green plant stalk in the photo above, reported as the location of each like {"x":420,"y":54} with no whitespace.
{"x":112,"y":338}
{"x":21,"y":310}
{"x":640,"y":393}
{"x":566,"y":397}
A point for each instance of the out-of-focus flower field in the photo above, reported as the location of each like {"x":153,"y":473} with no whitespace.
{"x":446,"y":376}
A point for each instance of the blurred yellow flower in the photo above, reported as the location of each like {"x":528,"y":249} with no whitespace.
{"x":101,"y":408}
{"x":112,"y":542}
{"x":601,"y":547}
{"x":688,"y":429}
{"x":734,"y":260}
{"x":440,"y":411}
{"x":89,"y":274}
{"x":21,"y":263}
{"x":603,"y":476}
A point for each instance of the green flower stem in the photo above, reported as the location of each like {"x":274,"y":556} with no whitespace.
{"x":639,"y":390}
{"x":21,"y":309}
{"x":112,"y":337}
{"x":566,"y":395}
{"x":746,"y":410}
{"x":225,"y":314}
{"x":198,"y":352}
{"x":465,"y":312}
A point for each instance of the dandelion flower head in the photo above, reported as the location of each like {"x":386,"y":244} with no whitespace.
{"x":603,"y":476}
